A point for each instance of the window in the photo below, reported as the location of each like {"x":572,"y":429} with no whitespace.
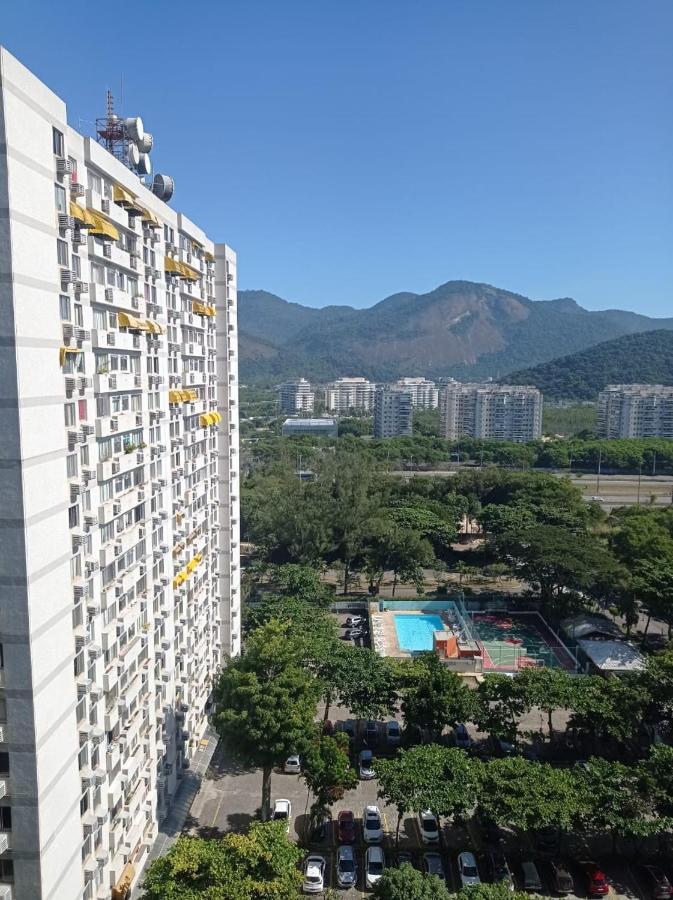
{"x":73,"y":169}
{"x":59,"y":196}
{"x":4,"y":763}
{"x":58,"y":143}
{"x":69,"y":413}
{"x":5,"y":818}
{"x":99,"y":319}
{"x":81,"y":410}
{"x":64,"y":306}
{"x":95,"y":184}
{"x":76,"y":266}
{"x":71,"y":465}
{"x":79,"y":320}
{"x":62,"y":253}
{"x":73,"y":516}
{"x":97,"y":274}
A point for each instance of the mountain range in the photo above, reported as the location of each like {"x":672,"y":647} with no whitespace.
{"x":461,"y":329}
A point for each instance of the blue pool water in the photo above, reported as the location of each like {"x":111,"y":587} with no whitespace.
{"x":414,"y":633}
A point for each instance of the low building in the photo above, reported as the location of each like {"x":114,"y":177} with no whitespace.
{"x":393,"y":413}
{"x":589,"y":626}
{"x":424,"y":393}
{"x":346,"y":394}
{"x":323,"y":427}
{"x":296,"y":397}
{"x":635,"y":411}
{"x":503,"y":412}
{"x":610,"y":657}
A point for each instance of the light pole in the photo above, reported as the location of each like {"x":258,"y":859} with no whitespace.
{"x":598,"y":472}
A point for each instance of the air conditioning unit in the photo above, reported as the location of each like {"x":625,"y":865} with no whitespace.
{"x":114,"y":424}
{"x":77,"y":189}
{"x":107,"y":250}
{"x":81,"y":287}
{"x":82,"y":335}
{"x":133,"y":262}
{"x":116,"y":508}
{"x":156,"y":273}
{"x":63,"y":166}
{"x":67,"y":277}
{"x":109,"y":294}
{"x":78,"y":237}
{"x":105,"y":205}
{"x":135,"y":303}
{"x":65,"y":222}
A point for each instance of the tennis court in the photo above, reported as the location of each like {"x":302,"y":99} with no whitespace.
{"x":513,"y":641}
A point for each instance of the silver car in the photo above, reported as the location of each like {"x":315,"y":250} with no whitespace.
{"x":375,"y":863}
{"x":314,"y":874}
{"x":346,"y":867}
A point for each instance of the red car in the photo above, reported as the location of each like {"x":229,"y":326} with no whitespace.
{"x":597,"y":883}
{"x":346,"y":826}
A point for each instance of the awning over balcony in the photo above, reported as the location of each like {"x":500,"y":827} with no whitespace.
{"x":99,"y":225}
{"x":148,"y":216}
{"x":122,"y":887}
{"x":171,"y":265}
{"x":127,"y":321}
{"x":202,"y":308}
{"x":125,"y":198}
{"x":63,"y":352}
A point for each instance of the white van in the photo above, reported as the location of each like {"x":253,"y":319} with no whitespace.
{"x":531,"y":876}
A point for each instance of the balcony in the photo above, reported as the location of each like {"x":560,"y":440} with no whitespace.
{"x":4,"y":787}
{"x":5,"y":841}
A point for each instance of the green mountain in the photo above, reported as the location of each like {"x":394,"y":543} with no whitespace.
{"x":461,"y":328}
{"x":646,"y":357}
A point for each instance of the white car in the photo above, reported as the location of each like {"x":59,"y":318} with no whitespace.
{"x":314,"y":875}
{"x":366,"y":768}
{"x":282,"y":812}
{"x":372,"y":826}
{"x":354,"y":621}
{"x":293,"y":765}
{"x":346,"y":868}
{"x":429,"y":827}
{"x":375,"y":863}
{"x":467,"y":869}
{"x":432,"y":865}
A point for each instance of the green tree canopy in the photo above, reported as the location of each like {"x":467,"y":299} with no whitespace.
{"x":434,"y":697}
{"x":327,"y":770}
{"x":549,"y":689}
{"x":502,"y":701}
{"x":359,"y":680}
{"x":407,"y":883}
{"x":259,"y":865}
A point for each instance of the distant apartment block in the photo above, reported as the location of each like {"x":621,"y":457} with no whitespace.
{"x":424,"y":393}
{"x":491,"y":411}
{"x":345,"y":394}
{"x":635,"y":411}
{"x":324,"y":427}
{"x":393,"y":413}
{"x":296,"y":397}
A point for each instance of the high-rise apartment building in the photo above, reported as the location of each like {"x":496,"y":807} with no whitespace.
{"x":345,"y":394}
{"x":119,"y":570}
{"x":635,"y":411}
{"x":502,"y":412}
{"x":296,"y":397}
{"x":424,"y":393}
{"x":393,"y":413}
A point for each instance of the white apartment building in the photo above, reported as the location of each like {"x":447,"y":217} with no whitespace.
{"x":635,"y":411}
{"x":296,"y":397}
{"x":501,"y":412}
{"x":345,"y":394}
{"x":119,"y":569}
{"x":393,"y":413}
{"x":424,"y":393}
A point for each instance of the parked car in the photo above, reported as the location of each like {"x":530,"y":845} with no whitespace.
{"x":282,"y":812}
{"x":531,"y":877}
{"x":490,"y":830}
{"x":346,"y":826}
{"x":548,"y":839}
{"x":372,"y":733}
{"x":467,"y":869}
{"x":461,"y":737}
{"x":352,"y":621}
{"x":321,"y":826}
{"x":375,"y":863}
{"x":354,"y":633}
{"x":372,"y":825}
{"x":346,"y":867}
{"x":429,"y":827}
{"x":499,"y":869}
{"x":365,"y":767}
{"x":596,"y":882}
{"x":314,"y":874}
{"x":657,"y":882}
{"x":598,"y":499}
{"x":432,"y":865}
{"x":292,"y":765}
{"x":561,"y":877}
{"x":393,"y":733}
{"x":501,"y":746}
{"x":404,"y":858}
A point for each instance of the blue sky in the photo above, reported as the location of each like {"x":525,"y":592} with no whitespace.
{"x":351,"y":149}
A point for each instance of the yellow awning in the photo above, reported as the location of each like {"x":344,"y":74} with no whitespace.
{"x":204,"y":420}
{"x":211,"y":310}
{"x":121,"y":888}
{"x":198,"y":557}
{"x":171,"y":265}
{"x":161,"y":329}
{"x":125,"y":198}
{"x":152,"y":326}
{"x":196,"y":245}
{"x":100,"y":225}
{"x":148,"y":216}
{"x":188,"y":272}
{"x":218,"y":417}
{"x":76,"y":211}
{"x":209,"y":256}
{"x":126,"y":320}
{"x":175,"y":396}
{"x":63,"y":352}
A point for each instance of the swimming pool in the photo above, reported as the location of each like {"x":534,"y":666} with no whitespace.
{"x":414,"y":633}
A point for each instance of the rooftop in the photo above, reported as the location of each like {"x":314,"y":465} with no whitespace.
{"x":613,"y":656}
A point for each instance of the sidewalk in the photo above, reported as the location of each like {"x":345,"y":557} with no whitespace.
{"x":171,"y":828}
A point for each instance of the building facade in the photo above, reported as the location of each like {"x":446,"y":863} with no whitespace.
{"x":393,"y":413}
{"x":424,"y":393}
{"x":296,"y":397}
{"x":491,"y":412}
{"x":323,"y":427}
{"x":635,"y":411}
{"x":119,"y":570}
{"x":346,"y":394}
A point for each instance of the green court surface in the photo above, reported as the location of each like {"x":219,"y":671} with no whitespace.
{"x":516,"y":640}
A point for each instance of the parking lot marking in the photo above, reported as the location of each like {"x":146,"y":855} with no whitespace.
{"x":217,"y":811}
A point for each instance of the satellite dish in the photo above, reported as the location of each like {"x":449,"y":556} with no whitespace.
{"x":145,"y":145}
{"x":134,"y":127}
{"x":134,"y":155}
{"x":144,"y":164}
{"x":163,"y":187}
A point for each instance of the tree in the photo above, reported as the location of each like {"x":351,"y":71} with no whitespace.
{"x":434,"y":697}
{"x":407,"y":883}
{"x":501,"y":702}
{"x":360,"y":680}
{"x":517,"y":793}
{"x":609,"y":709}
{"x":549,"y":689}
{"x":258,"y":865}
{"x":391,"y":547}
{"x":485,"y":891}
{"x":427,"y":777}
{"x":266,"y":703}
{"x":327,"y":770}
{"x":653,"y":581}
{"x":302,"y":583}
